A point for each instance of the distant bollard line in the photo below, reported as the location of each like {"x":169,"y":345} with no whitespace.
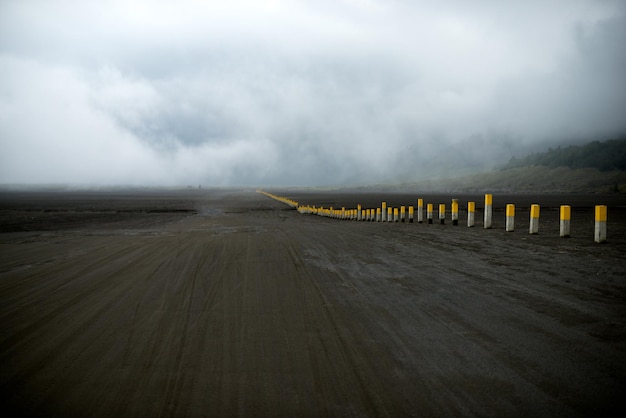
{"x":389,"y":214}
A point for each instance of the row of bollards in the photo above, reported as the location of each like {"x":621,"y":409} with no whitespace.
{"x":389,"y":214}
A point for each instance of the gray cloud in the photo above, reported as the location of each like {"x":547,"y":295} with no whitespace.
{"x":278,"y":92}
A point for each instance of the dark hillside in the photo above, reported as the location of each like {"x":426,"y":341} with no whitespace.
{"x":604,"y":156}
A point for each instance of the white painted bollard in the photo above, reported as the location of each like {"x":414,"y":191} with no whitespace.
{"x":384,"y":211}
{"x":488,"y":211}
{"x":600,"y":229}
{"x":402,"y":213}
{"x":471,"y":209}
{"x":510,"y":217}
{"x":389,"y":214}
{"x":533,"y":228}
{"x":411,"y":211}
{"x":429,"y":213}
{"x":564,"y":221}
{"x":442,"y":213}
{"x":395,"y":214}
{"x":455,"y":212}
{"x":420,"y":211}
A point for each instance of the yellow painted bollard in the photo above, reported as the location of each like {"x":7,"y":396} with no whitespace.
{"x":442,"y":213}
{"x":600,"y":228}
{"x":471,"y":209}
{"x":359,"y":216}
{"x":384,"y":211}
{"x":455,"y":212}
{"x":429,"y":213}
{"x":395,"y":214}
{"x":402,"y":213}
{"x":564,"y":220}
{"x":533,"y":228}
{"x":510,"y":217}
{"x":389,"y":214}
{"x":411,"y":211}
{"x":488,"y":211}
{"x":420,"y":211}
{"x":378,"y":215}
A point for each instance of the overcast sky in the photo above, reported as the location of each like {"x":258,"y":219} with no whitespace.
{"x":300,"y":92}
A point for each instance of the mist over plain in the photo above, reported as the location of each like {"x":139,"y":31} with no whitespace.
{"x":300,"y":92}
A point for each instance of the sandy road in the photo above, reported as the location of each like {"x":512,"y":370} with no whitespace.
{"x":250,"y":309}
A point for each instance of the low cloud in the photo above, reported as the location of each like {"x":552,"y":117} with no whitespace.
{"x":299,"y":92}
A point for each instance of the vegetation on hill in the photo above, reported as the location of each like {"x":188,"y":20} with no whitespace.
{"x":604,"y":156}
{"x":596,"y":167}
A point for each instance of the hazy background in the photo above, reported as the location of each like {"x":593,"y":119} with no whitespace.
{"x":300,"y":92}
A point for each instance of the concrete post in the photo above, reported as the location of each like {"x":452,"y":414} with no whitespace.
{"x":488,"y":211}
{"x":429,"y":213}
{"x":411,"y":211}
{"x":420,"y":211}
{"x":564,"y":223}
{"x":442,"y":213}
{"x":510,"y":217}
{"x":455,"y":212}
{"x":402,"y":213}
{"x":471,"y":209}
{"x":533,"y":228}
{"x":600,"y":229}
{"x":384,"y":211}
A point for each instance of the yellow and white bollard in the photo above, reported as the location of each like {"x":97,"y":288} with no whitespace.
{"x":384,"y":211}
{"x":488,"y":211}
{"x":600,"y":229}
{"x":455,"y":212}
{"x":510,"y":217}
{"x":442,"y":213}
{"x":389,"y":214}
{"x":420,"y":211}
{"x":378,"y":215}
{"x":359,"y":215}
{"x":395,"y":214}
{"x":411,"y":211}
{"x":471,"y":209}
{"x":533,"y":228}
{"x":429,"y":213}
{"x":564,"y":222}
{"x":402,"y":213}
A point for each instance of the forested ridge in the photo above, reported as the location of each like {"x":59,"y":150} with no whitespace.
{"x":602,"y":155}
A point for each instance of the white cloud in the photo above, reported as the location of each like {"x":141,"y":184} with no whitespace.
{"x":271,"y":91}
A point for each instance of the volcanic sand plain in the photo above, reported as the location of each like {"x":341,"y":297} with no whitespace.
{"x":228,"y":303}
